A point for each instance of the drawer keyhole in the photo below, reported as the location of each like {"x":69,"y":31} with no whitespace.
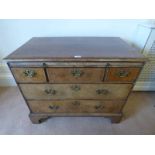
{"x":50,"y":91}
{"x":97,"y":107}
{"x":102,"y":91}
{"x":75,"y":87}
{"x":54,"y":107}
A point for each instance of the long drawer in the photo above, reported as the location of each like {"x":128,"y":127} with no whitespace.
{"x":75,"y":106}
{"x":75,"y":91}
{"x":75,"y":75}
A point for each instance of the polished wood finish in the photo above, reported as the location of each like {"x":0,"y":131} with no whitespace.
{"x":75,"y":76}
{"x":67,"y":91}
{"x":19,"y":74}
{"x":122,"y":74}
{"x":86,"y":75}
{"x":76,"y":106}
{"x":79,"y":63}
{"x":75,"y":47}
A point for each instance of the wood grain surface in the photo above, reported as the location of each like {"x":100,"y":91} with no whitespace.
{"x":114,"y":74}
{"x":66,"y":91}
{"x":75,"y":47}
{"x":77,"y":106}
{"x":21,"y":78}
{"x":65,"y":75}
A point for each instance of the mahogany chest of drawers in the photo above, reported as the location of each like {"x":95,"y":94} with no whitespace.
{"x":75,"y":76}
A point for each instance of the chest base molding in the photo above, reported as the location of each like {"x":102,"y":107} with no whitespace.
{"x":39,"y":118}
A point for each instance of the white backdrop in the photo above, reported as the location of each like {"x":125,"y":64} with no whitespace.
{"x":13,"y":33}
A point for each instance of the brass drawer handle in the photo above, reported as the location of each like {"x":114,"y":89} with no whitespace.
{"x":99,"y":107}
{"x":122,"y":73}
{"x":53,"y":107}
{"x":77,"y":72}
{"x":29,"y":73}
{"x":50,"y":91}
{"x":102,"y":91}
{"x":77,"y":103}
{"x":75,"y":87}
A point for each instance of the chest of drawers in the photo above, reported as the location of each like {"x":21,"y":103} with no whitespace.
{"x":75,"y":76}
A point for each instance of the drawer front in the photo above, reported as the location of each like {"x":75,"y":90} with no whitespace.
{"x":75,"y":106}
{"x":122,"y":74}
{"x":31,"y":75}
{"x":75,"y":91}
{"x":75,"y":75}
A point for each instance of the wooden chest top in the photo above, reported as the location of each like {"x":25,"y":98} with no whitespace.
{"x":76,"y":48}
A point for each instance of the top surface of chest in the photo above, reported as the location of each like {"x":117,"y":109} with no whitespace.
{"x":45,"y":48}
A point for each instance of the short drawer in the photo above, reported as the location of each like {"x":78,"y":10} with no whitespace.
{"x":75,"y":106}
{"x":29,"y":75}
{"x":75,"y":75}
{"x":122,"y":74}
{"x":75,"y":91}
